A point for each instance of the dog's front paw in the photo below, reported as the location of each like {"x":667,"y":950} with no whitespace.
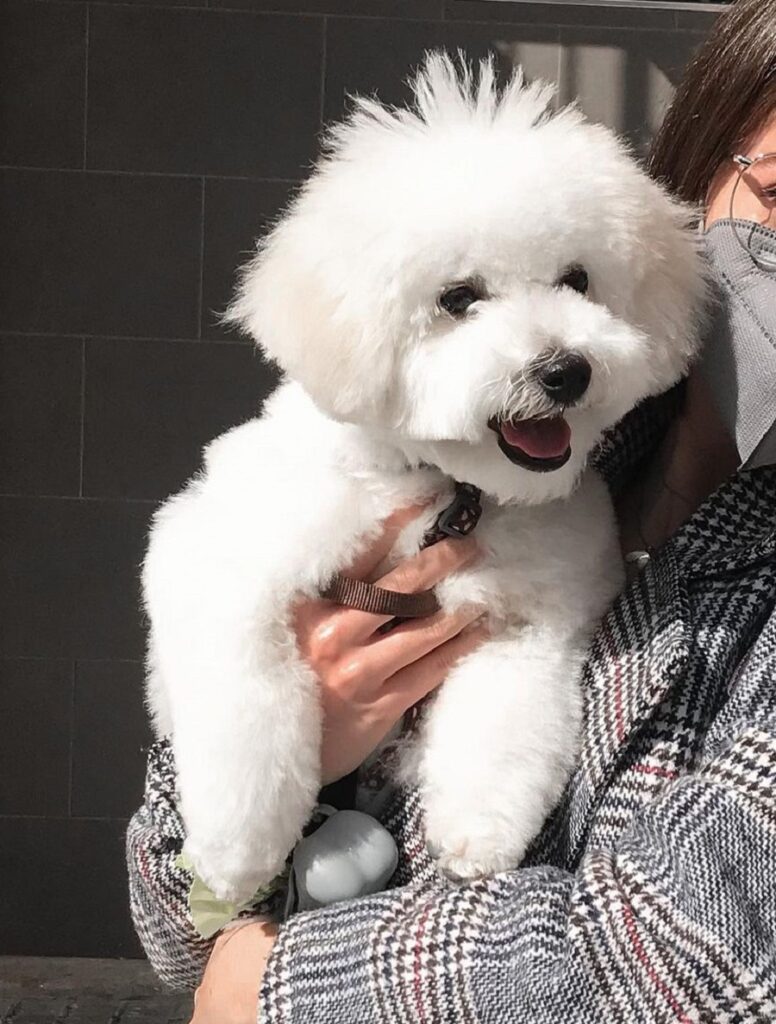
{"x":235,"y":874}
{"x":477,"y":830}
{"x":464,"y":857}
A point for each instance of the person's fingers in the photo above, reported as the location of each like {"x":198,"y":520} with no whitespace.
{"x":414,"y":639}
{"x":312,"y":614}
{"x":365,"y":564}
{"x":430,"y":565}
{"x":416,"y":681}
{"x":361,"y":673}
{"x":421,"y":572}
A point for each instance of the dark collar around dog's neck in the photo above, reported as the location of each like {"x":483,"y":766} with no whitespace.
{"x":459,"y":518}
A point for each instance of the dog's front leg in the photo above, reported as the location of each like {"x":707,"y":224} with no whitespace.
{"x":227,"y":682}
{"x":497,"y":748}
{"x":249,"y":772}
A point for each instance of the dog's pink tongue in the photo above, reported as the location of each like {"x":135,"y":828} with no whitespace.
{"x":541,"y":439}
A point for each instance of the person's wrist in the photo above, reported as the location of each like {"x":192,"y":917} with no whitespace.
{"x":230,"y":987}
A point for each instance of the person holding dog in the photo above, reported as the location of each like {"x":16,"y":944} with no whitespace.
{"x":650,"y":894}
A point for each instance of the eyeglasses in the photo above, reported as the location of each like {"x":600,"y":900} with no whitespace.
{"x":753,"y":204}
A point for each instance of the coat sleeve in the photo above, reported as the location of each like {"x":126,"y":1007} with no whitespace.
{"x":158,"y":887}
{"x":677,"y":923}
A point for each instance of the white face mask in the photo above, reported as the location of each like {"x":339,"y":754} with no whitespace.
{"x":739,"y":356}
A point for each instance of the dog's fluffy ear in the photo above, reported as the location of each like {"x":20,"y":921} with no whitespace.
{"x":309,"y":314}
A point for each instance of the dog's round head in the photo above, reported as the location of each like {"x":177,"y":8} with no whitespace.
{"x":488,"y":282}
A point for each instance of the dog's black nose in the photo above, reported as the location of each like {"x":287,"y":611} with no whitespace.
{"x":566,"y":378}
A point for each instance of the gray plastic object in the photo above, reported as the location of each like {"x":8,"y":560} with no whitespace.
{"x":350,"y":855}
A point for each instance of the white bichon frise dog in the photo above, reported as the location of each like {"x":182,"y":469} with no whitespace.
{"x":468,"y":291}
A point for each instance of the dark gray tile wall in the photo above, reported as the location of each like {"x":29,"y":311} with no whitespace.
{"x":100,"y":253}
{"x":42,"y":57}
{"x":143,"y":146}
{"x":202,"y":92}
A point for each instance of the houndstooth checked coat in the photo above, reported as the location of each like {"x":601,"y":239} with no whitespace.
{"x":650,"y":895}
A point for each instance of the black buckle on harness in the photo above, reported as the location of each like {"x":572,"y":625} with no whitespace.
{"x":463,"y":514}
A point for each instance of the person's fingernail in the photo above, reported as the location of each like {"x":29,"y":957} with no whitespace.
{"x":471,"y":611}
{"x":477,"y":626}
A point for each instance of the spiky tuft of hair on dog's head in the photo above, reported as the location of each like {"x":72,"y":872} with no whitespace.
{"x":447,"y":93}
{"x":446,"y":90}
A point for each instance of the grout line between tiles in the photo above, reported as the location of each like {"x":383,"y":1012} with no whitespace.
{"x":667,"y":27}
{"x":86,"y":85}
{"x":32,"y":657}
{"x":72,"y":740}
{"x":208,"y":5}
{"x":60,"y":817}
{"x":92,"y":498}
{"x":201,"y":258}
{"x":107,"y":336}
{"x":83,"y":420}
{"x":80,"y":661}
{"x":149,"y":174}
{"x":322,"y":104}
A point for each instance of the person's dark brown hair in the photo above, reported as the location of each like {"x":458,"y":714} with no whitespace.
{"x":727,"y":93}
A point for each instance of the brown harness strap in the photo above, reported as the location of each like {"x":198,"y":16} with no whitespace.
{"x":457,"y":520}
{"x":366,"y":597}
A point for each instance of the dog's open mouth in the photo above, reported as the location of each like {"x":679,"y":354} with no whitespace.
{"x":541,"y":445}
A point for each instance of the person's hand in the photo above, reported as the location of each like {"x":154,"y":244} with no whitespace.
{"x":229,"y":991}
{"x":369,"y":680}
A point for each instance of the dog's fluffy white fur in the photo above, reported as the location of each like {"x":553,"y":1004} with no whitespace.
{"x":387,"y":400}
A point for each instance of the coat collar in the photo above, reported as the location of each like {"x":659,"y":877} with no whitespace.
{"x":732,"y":529}
{"x":625,"y":447}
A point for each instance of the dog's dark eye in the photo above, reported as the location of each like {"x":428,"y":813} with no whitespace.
{"x":576,"y":278}
{"x":456,"y":300}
